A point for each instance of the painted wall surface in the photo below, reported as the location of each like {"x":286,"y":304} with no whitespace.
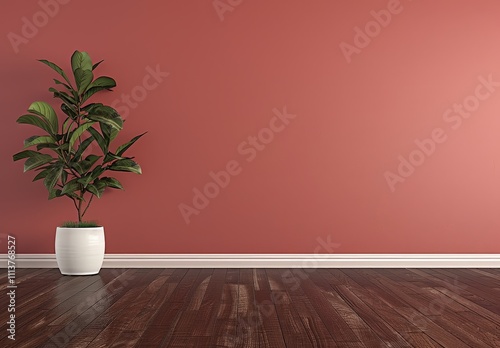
{"x":345,"y":126}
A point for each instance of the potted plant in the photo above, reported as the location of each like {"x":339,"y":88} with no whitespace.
{"x":63,"y":158}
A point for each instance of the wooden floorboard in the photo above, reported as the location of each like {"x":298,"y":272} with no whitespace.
{"x":279,"y":308}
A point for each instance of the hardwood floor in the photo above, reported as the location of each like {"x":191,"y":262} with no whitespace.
{"x":256,"y":308}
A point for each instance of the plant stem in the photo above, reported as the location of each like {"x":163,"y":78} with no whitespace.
{"x":80,"y":207}
{"x":88,"y":204}
{"x":74,"y":202}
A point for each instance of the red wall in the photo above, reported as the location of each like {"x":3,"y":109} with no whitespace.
{"x":323,"y":175}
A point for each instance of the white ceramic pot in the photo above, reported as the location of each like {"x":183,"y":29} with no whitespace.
{"x":80,"y":251}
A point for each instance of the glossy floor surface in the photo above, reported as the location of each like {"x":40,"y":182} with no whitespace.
{"x":256,"y":308}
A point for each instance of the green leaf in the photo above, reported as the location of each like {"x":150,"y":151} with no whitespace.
{"x":100,"y":186}
{"x":97,"y":171}
{"x":100,"y":140}
{"x":42,"y":174}
{"x":70,"y":187}
{"x":35,"y":121}
{"x":64,"y":177}
{"x":91,"y":159}
{"x":90,"y":92}
{"x":126,"y":165}
{"x":112,"y":182}
{"x":78,"y":132}
{"x":66,"y":125}
{"x":53,"y":176}
{"x":89,"y":177}
{"x":94,"y":190}
{"x":25,"y":154}
{"x":79,"y":167}
{"x":37,"y":139}
{"x":56,"y":68}
{"x":68,"y":87}
{"x":47,"y":146}
{"x":111,"y":157}
{"x":105,"y":114}
{"x":68,"y":111}
{"x":81,"y":60}
{"x":63,"y":147}
{"x":83,"y":79}
{"x":103,"y":81}
{"x":84,"y":166}
{"x":54,"y":193}
{"x":106,"y":132}
{"x":97,"y":188}
{"x":97,"y":64}
{"x":83,"y":146}
{"x":36,"y":161}
{"x":88,"y":107}
{"x":65,"y":97}
{"x":115,"y":122}
{"x":100,"y":109}
{"x":85,"y":180}
{"x":113,"y":134}
{"x":122,"y":148}
{"x":45,"y":110}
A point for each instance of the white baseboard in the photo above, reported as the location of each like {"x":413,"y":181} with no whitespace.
{"x":273,"y":261}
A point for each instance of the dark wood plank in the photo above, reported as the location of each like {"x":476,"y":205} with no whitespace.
{"x":32,"y":315}
{"x":101,"y":307}
{"x":421,"y":340}
{"x":337,"y":325}
{"x":452,"y":284}
{"x":474,"y":286}
{"x":486,"y":330}
{"x":123,"y":311}
{"x":248,"y":324}
{"x":161,"y":327}
{"x":386,"y":326}
{"x":226,"y":322}
{"x":376,"y":331}
{"x":415,"y":311}
{"x":474,"y":307}
{"x":207,"y":308}
{"x":315,"y":328}
{"x":258,"y":308}
{"x":156,"y":300}
{"x":271,"y":334}
{"x":292,"y":328}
